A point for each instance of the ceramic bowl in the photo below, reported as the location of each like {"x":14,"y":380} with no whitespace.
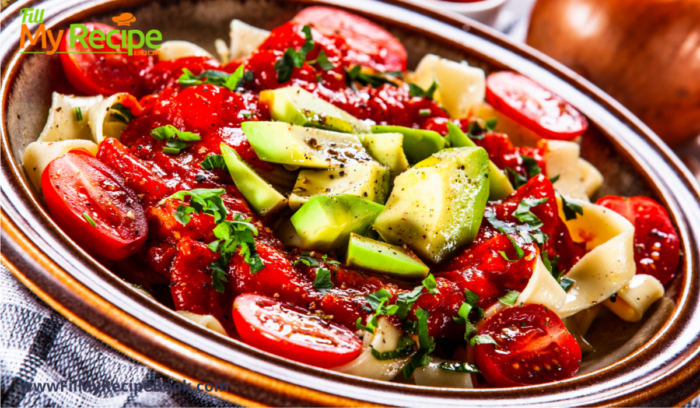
{"x":651,"y":363}
{"x":484,"y":11}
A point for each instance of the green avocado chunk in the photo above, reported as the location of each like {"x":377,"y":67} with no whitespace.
{"x":387,"y":149}
{"x":418,"y":144}
{"x":387,"y":259}
{"x":367,"y":180}
{"x":282,"y":143}
{"x":260,"y":195}
{"x":499,"y":185}
{"x":297,"y":106}
{"x":325,"y":223}
{"x":436,"y":207}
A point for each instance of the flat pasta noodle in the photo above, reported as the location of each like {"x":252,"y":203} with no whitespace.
{"x":385,"y":338}
{"x":38,"y":155}
{"x":518,"y":134}
{"x":102,"y":119}
{"x":579,"y":324}
{"x":245,"y":39}
{"x":463,"y":89}
{"x":609,"y":264}
{"x":591,"y":178}
{"x":172,"y":50}
{"x":434,"y":376}
{"x":63,"y":123}
{"x":543,"y":289}
{"x":562,"y":162}
{"x":636,"y":297}
{"x":208,"y":321}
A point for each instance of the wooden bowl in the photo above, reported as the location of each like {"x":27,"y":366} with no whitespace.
{"x":651,"y":363}
{"x":643,"y":53}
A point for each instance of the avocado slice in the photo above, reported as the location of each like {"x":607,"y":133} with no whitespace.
{"x":282,"y":143}
{"x":325,"y":223}
{"x":380,"y":257}
{"x":297,"y":106}
{"x":367,"y":180}
{"x":418,"y":144}
{"x":436,"y":207}
{"x":499,"y":185}
{"x":387,"y":149}
{"x":259,"y":193}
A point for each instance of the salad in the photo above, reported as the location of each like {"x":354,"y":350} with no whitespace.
{"x":309,"y":195}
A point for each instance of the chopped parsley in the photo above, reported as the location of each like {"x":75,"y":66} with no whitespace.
{"x":202,"y":200}
{"x":424,"y":112}
{"x":518,"y":179}
{"x":571,"y":207}
{"x":406,"y":300}
{"x":567,"y":284}
{"x":509,"y":298}
{"x":426,"y":345}
{"x":175,"y":139}
{"x":554,"y":179}
{"x":459,"y":366}
{"x":430,"y":284}
{"x":469,"y":305}
{"x":307,"y":260}
{"x":294,"y":59}
{"x":377,"y":301}
{"x":482,"y":339}
{"x":356,"y":75}
{"x":523,"y":213}
{"x":403,"y":350}
{"x":531,"y":167}
{"x":78,"y":114}
{"x":232,"y":235}
{"x":323,"y":283}
{"x":213,"y":162}
{"x":417,"y":91}
{"x":322,"y":61}
{"x":120,"y":113}
{"x":214,"y":77}
{"x":89,"y":219}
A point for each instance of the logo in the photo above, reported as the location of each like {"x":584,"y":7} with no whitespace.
{"x":96,"y":41}
{"x":124,"y":20}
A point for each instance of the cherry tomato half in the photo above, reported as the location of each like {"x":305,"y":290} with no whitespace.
{"x":656,"y":243}
{"x":293,"y":333}
{"x":533,"y":106}
{"x":95,"y":71}
{"x":369,"y":45}
{"x":92,"y":205}
{"x":533,"y":348}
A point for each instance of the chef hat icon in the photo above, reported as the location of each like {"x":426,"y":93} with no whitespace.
{"x":125,"y":19}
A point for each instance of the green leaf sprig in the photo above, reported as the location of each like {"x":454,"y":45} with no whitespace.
{"x":426,"y":345}
{"x":294,"y":59}
{"x":355,"y":74}
{"x":175,"y":139}
{"x":202,"y":201}
{"x":571,"y":207}
{"x":232,"y":235}
{"x":416,"y":91}
{"x":403,"y":350}
{"x":215,"y":77}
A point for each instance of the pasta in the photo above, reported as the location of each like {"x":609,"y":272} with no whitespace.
{"x":386,"y":338}
{"x":245,"y":38}
{"x":172,"y":50}
{"x":543,"y":289}
{"x":207,"y":321}
{"x":106,"y":119}
{"x":63,"y":123}
{"x":636,"y":297}
{"x":433,"y":375}
{"x":562,"y":162}
{"x":608,"y":265}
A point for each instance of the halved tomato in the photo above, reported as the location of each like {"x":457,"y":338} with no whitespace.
{"x":369,"y":45}
{"x":103,"y":70}
{"x":293,"y":332}
{"x":656,"y":243}
{"x":534,"y":106}
{"x":533,"y":348}
{"x":92,"y":205}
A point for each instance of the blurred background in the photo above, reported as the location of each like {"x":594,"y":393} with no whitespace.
{"x":644,"y":53}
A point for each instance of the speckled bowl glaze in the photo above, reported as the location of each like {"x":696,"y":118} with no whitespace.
{"x":653,"y":363}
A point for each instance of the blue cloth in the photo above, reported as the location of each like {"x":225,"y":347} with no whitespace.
{"x":40,"y":348}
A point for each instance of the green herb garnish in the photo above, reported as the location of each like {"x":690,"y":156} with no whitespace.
{"x":214,"y":77}
{"x":510,"y":298}
{"x":78,"y":114}
{"x":120,"y":113}
{"x":214,"y":162}
{"x":417,"y":91}
{"x":89,"y":219}
{"x":571,"y":207}
{"x":232,"y":235}
{"x":460,"y":367}
{"x":430,"y":284}
{"x":426,"y":345}
{"x":292,"y":58}
{"x":403,"y":350}
{"x":322,"y":282}
{"x":202,"y":200}
{"x":175,"y":139}
{"x":356,"y":75}
{"x":482,"y":339}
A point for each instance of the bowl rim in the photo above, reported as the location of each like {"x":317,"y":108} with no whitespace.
{"x":70,"y":281}
{"x":458,"y":7}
